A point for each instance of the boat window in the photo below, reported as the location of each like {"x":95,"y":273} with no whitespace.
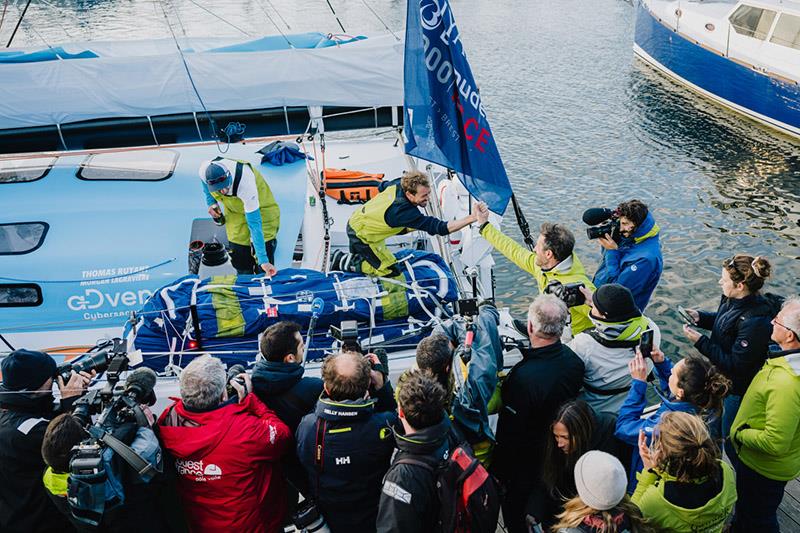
{"x":136,"y":165}
{"x":22,"y":170}
{"x":752,"y":21}
{"x":20,"y":295}
{"x":21,"y":238}
{"x":787,"y":31}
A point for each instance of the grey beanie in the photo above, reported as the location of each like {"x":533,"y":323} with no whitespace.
{"x":600,"y":479}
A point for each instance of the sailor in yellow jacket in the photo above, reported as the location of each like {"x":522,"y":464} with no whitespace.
{"x":552,"y":259}
{"x":251,"y":213}
{"x":394,"y":211}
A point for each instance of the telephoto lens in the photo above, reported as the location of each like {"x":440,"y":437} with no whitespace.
{"x":308,"y":519}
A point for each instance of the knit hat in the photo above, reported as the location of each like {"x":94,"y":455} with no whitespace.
{"x":615,"y":302}
{"x":217,"y":177}
{"x":600,"y":479}
{"x":27,"y":369}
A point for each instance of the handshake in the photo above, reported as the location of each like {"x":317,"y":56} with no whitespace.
{"x":481,"y":213}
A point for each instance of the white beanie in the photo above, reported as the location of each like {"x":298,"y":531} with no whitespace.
{"x":600,"y":479}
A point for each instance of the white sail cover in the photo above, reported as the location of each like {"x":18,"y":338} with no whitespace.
{"x":147,"y":78}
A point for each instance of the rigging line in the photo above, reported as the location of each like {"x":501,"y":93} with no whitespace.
{"x":379,"y":18}
{"x":332,"y":11}
{"x":279,"y":14}
{"x":39,"y":35}
{"x":211,"y":123}
{"x":73,"y":16}
{"x":178,"y":16}
{"x":274,"y":24}
{"x":22,"y":16}
{"x":3,"y":16}
{"x":229,"y":23}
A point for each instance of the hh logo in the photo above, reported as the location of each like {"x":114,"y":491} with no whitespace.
{"x":343,"y":460}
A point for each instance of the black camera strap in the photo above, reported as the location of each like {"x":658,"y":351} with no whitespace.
{"x":128,"y":454}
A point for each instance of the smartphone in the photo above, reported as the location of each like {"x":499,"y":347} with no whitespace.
{"x":686,"y":316}
{"x":646,"y":343}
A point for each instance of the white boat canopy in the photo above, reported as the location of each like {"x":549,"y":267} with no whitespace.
{"x":94,"y":80}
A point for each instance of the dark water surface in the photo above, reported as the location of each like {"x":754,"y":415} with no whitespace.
{"x":579,"y":123}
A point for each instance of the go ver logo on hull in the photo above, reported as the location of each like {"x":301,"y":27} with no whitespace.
{"x":95,"y":299}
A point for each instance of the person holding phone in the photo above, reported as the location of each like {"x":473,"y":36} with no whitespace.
{"x":693,"y":385}
{"x":740,"y":329}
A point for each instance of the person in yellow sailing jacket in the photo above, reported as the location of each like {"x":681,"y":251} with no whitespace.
{"x":252,"y":216}
{"x":394,"y":211}
{"x":552,"y":259}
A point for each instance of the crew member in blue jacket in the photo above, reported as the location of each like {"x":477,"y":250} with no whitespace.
{"x":694,"y":385}
{"x":635,"y":261}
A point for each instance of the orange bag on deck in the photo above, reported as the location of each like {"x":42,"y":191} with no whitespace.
{"x":351,"y":186}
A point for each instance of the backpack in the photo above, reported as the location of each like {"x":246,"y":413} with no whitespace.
{"x":469,"y":499}
{"x":351,"y":186}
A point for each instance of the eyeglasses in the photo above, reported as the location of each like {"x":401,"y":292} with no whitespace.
{"x":787,"y":328}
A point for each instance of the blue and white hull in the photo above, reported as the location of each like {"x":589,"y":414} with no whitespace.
{"x":726,"y":70}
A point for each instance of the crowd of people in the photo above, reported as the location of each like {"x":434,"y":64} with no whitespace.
{"x":575,"y":447}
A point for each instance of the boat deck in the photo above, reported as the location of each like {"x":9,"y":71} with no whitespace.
{"x":789,"y":511}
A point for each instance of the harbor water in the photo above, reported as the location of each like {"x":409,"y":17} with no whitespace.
{"x":579,"y":122}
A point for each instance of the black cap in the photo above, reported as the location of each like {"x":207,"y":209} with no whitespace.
{"x":615,"y":302}
{"x":27,"y":369}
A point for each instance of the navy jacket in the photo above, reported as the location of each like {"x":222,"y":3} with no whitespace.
{"x":636,"y":263}
{"x":532,"y":393}
{"x":409,"y":499}
{"x":630,"y":421}
{"x":740,"y":335}
{"x":282,"y":388}
{"x":345,"y":448}
{"x":25,"y":506}
{"x":403,"y":213}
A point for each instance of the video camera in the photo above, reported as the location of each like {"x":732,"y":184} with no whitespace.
{"x":569,"y":293}
{"x":347,"y":335}
{"x":116,"y":405}
{"x":602,"y":221}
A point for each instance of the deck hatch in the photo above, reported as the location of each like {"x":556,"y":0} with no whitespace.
{"x":134,"y":165}
{"x":25,"y":170}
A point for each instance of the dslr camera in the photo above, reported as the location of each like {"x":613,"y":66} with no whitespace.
{"x":602,"y":221}
{"x":569,"y":293}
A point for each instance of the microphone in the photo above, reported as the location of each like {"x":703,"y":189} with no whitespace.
{"x":596,"y":215}
{"x":140,"y":384}
{"x":316,"y":310}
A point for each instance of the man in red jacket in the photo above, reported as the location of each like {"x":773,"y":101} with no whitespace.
{"x":225,"y":452}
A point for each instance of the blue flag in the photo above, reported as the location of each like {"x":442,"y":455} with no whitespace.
{"x":445,"y":122}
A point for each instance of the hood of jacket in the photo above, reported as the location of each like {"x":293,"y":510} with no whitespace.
{"x":187,"y":433}
{"x":344,"y":410}
{"x":274,"y":378}
{"x":789,"y":362}
{"x":425,"y":441}
{"x":708,"y":513}
{"x":646,"y":230}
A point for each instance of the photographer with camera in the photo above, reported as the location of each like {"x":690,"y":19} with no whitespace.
{"x":607,"y":349}
{"x":225,"y":452}
{"x":552,"y":263}
{"x":130,"y":498}
{"x":629,"y":236}
{"x":26,"y":406}
{"x":442,"y":354}
{"x":346,"y":445}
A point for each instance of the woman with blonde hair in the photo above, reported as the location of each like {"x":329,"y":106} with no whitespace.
{"x":685,"y":486}
{"x":601,"y":506}
{"x":740,"y":329}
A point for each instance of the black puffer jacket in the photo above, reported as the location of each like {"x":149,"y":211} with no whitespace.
{"x":409,"y":500}
{"x":25,"y":506}
{"x":740,"y":335}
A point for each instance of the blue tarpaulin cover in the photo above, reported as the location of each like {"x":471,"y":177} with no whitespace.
{"x":233,"y":310}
